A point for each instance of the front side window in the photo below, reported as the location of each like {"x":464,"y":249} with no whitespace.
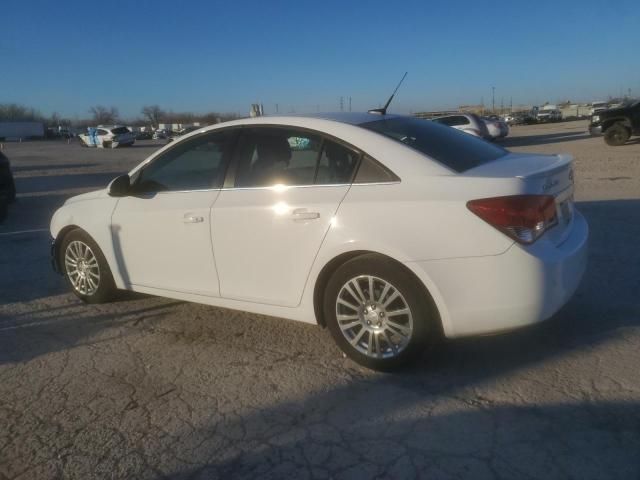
{"x":196,"y":164}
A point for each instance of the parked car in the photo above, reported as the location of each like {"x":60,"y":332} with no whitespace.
{"x":617,"y":124}
{"x":549,"y":116}
{"x":161,"y":133}
{"x":7,"y":186}
{"x":108,"y":137}
{"x":144,"y":135}
{"x":467,"y":122}
{"x":184,"y":131}
{"x":389,"y":230}
{"x":496,"y":127}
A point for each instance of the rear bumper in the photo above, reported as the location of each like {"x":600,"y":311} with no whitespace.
{"x":523,"y":286}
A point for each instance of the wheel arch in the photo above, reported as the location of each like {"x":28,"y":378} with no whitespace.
{"x":57,"y":242}
{"x":332,"y":265}
{"x":610,"y":122}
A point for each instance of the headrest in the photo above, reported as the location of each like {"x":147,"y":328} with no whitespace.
{"x":273,"y":148}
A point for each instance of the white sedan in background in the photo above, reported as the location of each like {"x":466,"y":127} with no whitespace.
{"x":389,"y":230}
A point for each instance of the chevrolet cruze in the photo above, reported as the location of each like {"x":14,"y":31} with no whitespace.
{"x":388,"y":230}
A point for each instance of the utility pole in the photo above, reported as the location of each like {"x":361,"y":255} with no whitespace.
{"x":501,"y":105}
{"x":276,"y":108}
{"x":510,"y":104}
{"x":482,"y":105}
{"x":349,"y":103}
{"x":342,"y":104}
{"x":493,"y":99}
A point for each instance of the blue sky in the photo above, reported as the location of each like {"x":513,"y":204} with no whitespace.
{"x":222,"y":56}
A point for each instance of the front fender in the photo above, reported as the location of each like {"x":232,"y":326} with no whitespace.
{"x":92,"y":215}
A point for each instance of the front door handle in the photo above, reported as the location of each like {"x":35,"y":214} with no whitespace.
{"x":188,"y":218}
{"x":302,"y":215}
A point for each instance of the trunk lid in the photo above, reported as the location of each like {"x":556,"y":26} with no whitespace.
{"x":542,"y":175}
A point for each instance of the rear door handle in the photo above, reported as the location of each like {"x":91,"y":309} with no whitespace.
{"x":301,"y":215}
{"x":189,"y":218}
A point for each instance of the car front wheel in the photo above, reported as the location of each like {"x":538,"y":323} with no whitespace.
{"x":377,"y":313}
{"x":616,"y":135}
{"x":85,"y":268}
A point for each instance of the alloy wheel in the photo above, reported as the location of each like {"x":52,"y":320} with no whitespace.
{"x":374,"y":317}
{"x":82,"y":267}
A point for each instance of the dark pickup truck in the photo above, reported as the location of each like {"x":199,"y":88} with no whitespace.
{"x":617,"y":124}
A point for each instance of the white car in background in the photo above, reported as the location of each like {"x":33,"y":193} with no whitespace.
{"x":389,"y":230}
{"x":549,"y":116}
{"x":108,"y":137}
{"x":496,"y":127}
{"x":467,"y":122}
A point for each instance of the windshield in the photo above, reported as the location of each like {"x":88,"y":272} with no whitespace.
{"x":457,"y":150}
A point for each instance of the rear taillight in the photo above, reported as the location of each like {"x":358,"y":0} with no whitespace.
{"x":522,"y":217}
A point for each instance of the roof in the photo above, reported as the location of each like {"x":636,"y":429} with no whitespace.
{"x":352,"y":118}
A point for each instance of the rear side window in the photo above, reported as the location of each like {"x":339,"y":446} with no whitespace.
{"x":276,"y":156}
{"x":337,"y":164}
{"x":268,"y":156}
{"x":455,"y":149}
{"x":453,"y":120}
{"x":120,"y":130}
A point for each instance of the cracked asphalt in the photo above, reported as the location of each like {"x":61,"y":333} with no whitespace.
{"x":150,"y":388}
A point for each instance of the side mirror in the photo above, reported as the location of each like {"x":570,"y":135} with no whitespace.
{"x":120,"y":186}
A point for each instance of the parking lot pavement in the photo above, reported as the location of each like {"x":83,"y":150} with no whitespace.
{"x":152,"y":388}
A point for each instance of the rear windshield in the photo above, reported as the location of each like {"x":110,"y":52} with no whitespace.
{"x":119,"y":130}
{"x":457,"y":150}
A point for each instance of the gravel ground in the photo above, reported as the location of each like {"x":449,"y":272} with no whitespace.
{"x":155,"y":388}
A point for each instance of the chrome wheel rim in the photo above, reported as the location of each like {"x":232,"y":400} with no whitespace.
{"x":374,"y":317}
{"x":82,"y":267}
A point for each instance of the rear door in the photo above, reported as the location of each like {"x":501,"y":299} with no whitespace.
{"x":269,"y":225}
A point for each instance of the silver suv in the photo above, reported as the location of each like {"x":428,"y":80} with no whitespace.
{"x":467,"y":122}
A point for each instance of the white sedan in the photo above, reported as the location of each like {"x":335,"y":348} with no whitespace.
{"x":388,"y":230}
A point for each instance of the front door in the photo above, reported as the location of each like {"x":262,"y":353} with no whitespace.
{"x":162,"y":233}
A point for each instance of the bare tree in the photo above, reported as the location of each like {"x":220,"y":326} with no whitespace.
{"x":154,"y":114}
{"x":103,"y":115}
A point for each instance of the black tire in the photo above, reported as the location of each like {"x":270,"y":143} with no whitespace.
{"x":421,"y":316}
{"x":106,"y":289}
{"x":616,"y":135}
{"x":4,"y":207}
{"x":12,"y":190}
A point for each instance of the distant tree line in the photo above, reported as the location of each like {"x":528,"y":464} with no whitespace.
{"x":152,"y":115}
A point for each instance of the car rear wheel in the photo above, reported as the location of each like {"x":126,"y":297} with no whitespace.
{"x":616,"y":135}
{"x":85,"y":268}
{"x":377,"y":313}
